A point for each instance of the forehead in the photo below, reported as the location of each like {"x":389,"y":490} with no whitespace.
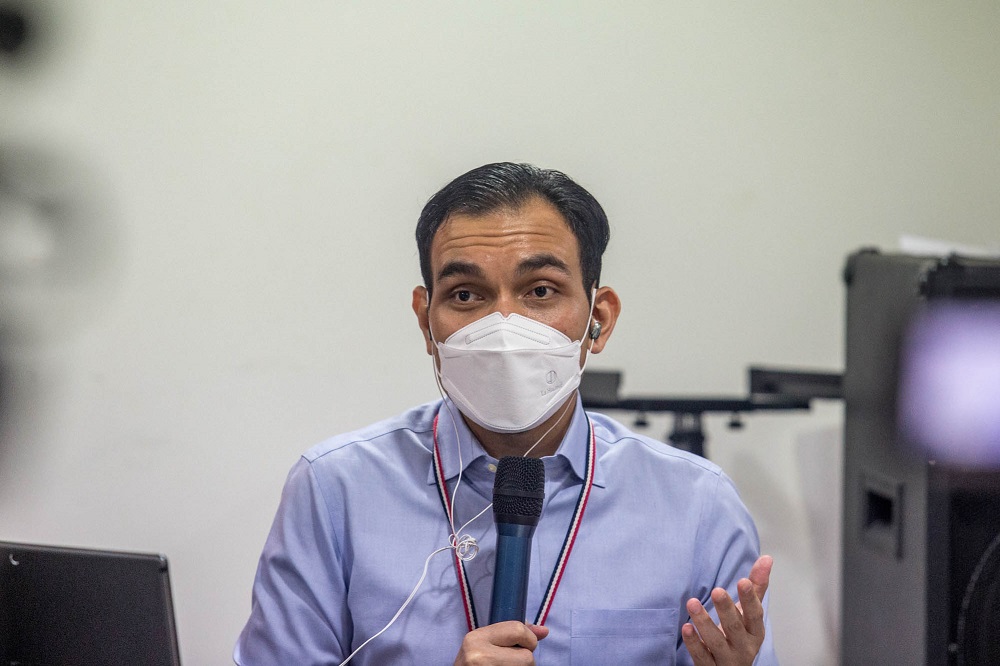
{"x":505,"y":236}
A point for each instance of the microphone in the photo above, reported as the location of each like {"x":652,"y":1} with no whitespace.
{"x":518,"y":491}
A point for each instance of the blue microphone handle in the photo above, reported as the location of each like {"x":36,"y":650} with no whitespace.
{"x":510,"y":578}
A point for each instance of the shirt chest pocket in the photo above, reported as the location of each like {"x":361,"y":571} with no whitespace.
{"x":624,"y":636}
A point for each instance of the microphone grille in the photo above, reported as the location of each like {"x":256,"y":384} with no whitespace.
{"x":519,"y":488}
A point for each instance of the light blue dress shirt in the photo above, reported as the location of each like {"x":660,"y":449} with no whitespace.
{"x":360,"y":513}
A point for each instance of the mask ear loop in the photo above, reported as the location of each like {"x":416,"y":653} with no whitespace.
{"x":586,"y":333}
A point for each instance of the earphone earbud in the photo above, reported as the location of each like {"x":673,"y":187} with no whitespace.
{"x":595,"y":330}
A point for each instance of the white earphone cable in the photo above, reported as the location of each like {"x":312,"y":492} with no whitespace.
{"x":465,"y":546}
{"x":401,"y":608}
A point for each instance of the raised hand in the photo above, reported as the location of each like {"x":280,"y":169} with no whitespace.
{"x":737,"y":638}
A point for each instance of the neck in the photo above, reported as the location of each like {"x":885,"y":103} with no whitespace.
{"x":499,"y":444}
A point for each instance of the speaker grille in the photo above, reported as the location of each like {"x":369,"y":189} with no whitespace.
{"x":519,"y":488}
{"x":979,"y":619}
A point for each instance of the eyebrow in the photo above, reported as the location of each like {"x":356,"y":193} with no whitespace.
{"x":533,"y":263}
{"x":459,"y":268}
{"x":539,"y":261}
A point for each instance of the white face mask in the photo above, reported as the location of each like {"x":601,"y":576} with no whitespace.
{"x":509,"y":374}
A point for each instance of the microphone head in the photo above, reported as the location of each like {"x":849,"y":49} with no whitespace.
{"x":518,"y":490}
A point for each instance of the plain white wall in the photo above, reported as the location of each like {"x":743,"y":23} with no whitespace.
{"x":246,"y":177}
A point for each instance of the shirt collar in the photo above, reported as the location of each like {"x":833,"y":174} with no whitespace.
{"x":454,"y":457}
{"x":573,"y":446}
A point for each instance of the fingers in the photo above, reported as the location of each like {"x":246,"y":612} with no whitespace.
{"x":712,"y":637}
{"x":752,"y":608}
{"x":730,"y":617}
{"x":698,"y":651}
{"x":740,"y":631}
{"x":739,"y":634}
{"x":513,"y":634}
{"x":501,"y":643}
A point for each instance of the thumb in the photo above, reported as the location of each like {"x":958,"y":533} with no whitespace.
{"x":539,"y":631}
{"x":760,"y":574}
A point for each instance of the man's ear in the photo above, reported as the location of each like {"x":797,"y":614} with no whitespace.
{"x":420,"y":307}
{"x":607,"y":307}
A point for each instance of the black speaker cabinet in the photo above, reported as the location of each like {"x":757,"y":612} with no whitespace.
{"x":921,"y":537}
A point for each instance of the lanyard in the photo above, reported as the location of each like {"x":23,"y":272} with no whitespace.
{"x":567,"y":547}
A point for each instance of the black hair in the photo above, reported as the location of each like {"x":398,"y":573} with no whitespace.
{"x":494,"y":187}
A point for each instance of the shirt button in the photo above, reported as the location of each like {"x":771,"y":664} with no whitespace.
{"x":492,"y":467}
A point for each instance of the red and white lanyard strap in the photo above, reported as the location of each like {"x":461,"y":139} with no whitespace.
{"x":463,"y":579}
{"x":574,"y":528}
{"x":564,"y":553}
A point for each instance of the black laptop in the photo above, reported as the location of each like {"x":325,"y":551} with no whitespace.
{"x":62,"y":606}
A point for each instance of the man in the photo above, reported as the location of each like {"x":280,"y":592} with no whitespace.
{"x":637,"y":541}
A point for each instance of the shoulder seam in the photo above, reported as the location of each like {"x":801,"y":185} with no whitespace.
{"x":358,"y":437}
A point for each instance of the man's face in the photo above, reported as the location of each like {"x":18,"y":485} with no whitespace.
{"x":523,"y":261}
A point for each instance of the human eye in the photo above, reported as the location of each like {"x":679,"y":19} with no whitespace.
{"x":541,"y":291}
{"x":462,"y":296}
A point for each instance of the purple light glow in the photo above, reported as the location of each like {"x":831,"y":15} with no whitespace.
{"x":949,"y":397}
